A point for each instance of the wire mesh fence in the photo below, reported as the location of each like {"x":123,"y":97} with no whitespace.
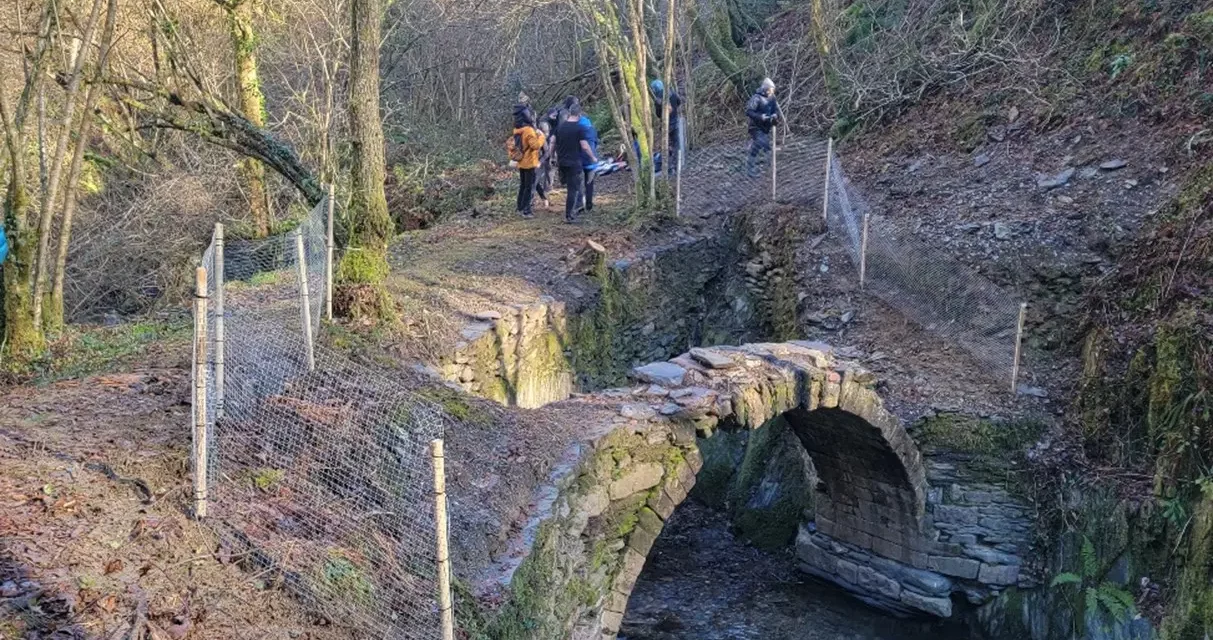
{"x":316,"y":471}
{"x":929,"y":288}
{"x":924,"y":284}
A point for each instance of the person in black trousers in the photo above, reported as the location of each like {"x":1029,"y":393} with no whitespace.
{"x":571,"y":143}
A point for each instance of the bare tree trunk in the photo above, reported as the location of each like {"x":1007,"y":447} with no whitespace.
{"x":369,"y":223}
{"x":667,"y":159}
{"x":252,"y":104}
{"x":54,"y":313}
{"x":51,"y":195}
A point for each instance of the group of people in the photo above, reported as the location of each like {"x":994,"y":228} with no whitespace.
{"x":565,"y":139}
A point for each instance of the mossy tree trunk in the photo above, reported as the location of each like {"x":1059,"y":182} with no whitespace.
{"x":23,"y":336}
{"x":252,"y":104}
{"x":622,"y":42}
{"x":715,"y":32}
{"x":370,"y":225}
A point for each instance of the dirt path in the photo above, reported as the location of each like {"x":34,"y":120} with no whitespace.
{"x":94,"y":536}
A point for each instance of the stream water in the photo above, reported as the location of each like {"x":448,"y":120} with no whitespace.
{"x":701,"y":582}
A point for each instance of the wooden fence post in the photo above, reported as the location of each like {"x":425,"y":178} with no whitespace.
{"x":304,"y":302}
{"x":328,"y":261}
{"x":825,"y":198}
{"x":774,"y":173}
{"x":444,"y":555}
{"x":199,"y":399}
{"x":678,"y":175}
{"x":220,"y":340}
{"x":863,"y":252}
{"x":1023,"y":311}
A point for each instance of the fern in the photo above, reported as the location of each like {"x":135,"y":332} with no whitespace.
{"x":1103,"y":600}
{"x":1066,"y":578}
{"x":1090,"y":563}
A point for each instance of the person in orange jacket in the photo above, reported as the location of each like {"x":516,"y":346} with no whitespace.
{"x":524,"y":147}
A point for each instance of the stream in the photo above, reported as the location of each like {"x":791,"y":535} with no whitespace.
{"x":701,"y":582}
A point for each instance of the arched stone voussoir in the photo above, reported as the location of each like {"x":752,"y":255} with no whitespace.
{"x":753,"y":383}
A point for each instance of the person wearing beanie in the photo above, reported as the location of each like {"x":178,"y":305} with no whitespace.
{"x":572,"y":145}
{"x":524,"y":114}
{"x":762,"y":112}
{"x":657,"y":88}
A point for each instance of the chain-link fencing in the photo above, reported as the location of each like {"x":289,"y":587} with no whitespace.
{"x":918,"y":280}
{"x":316,"y":471}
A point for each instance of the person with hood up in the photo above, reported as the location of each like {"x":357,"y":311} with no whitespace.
{"x":572,"y":145}
{"x":657,"y":87}
{"x":524,"y":147}
{"x":762,"y":112}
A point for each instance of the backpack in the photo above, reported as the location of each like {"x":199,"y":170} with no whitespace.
{"x":514,"y":148}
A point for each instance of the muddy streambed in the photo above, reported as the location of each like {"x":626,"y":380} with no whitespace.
{"x":701,"y":582}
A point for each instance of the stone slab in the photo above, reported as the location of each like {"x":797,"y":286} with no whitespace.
{"x":663,"y":373}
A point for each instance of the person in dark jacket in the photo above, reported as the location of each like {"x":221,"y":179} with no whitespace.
{"x":657,"y":87}
{"x":588,"y":158}
{"x":763,"y":113}
{"x":571,"y":146}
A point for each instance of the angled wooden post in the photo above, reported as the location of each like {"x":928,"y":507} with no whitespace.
{"x":304,"y":302}
{"x":863,"y":252}
{"x":825,"y":198}
{"x":199,"y":393}
{"x":1023,"y":311}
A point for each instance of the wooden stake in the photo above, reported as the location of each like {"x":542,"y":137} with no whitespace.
{"x":219,"y":321}
{"x":774,"y":146}
{"x":863,"y":252}
{"x":678,"y":175}
{"x":328,"y":262}
{"x":825,"y":198}
{"x":199,"y":399}
{"x":305,"y":303}
{"x":1023,"y":312}
{"x":444,"y":556}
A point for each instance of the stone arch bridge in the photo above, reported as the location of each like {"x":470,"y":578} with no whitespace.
{"x":904,"y":531}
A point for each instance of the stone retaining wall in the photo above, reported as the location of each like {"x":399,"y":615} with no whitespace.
{"x":731,"y":287}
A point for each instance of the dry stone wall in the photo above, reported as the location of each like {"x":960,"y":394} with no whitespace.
{"x":730,"y":287}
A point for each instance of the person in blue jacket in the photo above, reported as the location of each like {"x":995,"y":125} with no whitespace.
{"x":3,"y":246}
{"x":657,"y":87}
{"x":588,"y":160}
